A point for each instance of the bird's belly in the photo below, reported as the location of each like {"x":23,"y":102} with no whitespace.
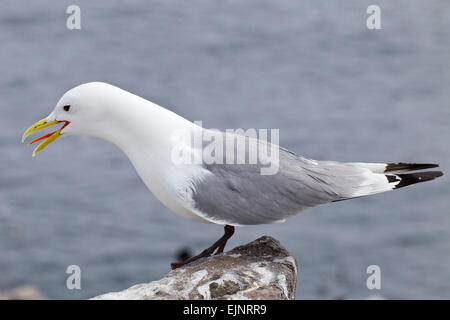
{"x":168,"y":201}
{"x":156,"y":175}
{"x":166,"y":197}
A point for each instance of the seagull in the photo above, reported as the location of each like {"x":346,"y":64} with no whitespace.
{"x":219,"y":192}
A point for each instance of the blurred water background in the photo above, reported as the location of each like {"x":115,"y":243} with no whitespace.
{"x":335,"y":89}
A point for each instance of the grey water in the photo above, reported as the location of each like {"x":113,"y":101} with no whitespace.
{"x":312,"y":69}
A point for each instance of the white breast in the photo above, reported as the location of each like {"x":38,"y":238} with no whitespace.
{"x":144,"y":131}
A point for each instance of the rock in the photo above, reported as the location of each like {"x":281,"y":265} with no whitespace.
{"x":261,"y":269}
{"x":25,"y":292}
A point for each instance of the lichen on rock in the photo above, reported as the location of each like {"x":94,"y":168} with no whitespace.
{"x":259,"y":270}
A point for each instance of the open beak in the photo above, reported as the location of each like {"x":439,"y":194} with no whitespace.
{"x":49,"y":137}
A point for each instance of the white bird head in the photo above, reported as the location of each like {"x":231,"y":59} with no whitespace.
{"x":84,"y":110}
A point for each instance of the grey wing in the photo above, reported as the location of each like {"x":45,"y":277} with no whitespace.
{"x":239,"y":194}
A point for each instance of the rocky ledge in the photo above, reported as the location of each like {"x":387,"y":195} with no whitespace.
{"x":261,"y":269}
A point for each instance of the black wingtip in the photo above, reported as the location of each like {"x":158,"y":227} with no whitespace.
{"x":407,"y":179}
{"x":399,"y":166}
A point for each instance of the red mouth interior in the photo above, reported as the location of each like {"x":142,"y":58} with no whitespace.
{"x":66,"y":123}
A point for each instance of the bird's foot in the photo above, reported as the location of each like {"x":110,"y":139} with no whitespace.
{"x":219,"y":245}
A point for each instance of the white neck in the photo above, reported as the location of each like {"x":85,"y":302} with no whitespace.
{"x":145,"y":131}
{"x":135,"y":124}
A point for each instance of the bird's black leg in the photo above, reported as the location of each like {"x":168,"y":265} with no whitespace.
{"x":219,"y":245}
{"x":229,"y":231}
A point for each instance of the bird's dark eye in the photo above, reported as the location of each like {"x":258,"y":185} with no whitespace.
{"x":66,"y":108}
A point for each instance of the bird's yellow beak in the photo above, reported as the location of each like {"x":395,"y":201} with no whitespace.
{"x":49,"y":137}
